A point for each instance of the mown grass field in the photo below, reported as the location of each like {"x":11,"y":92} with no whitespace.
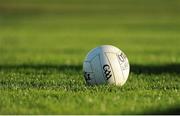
{"x":43,"y":44}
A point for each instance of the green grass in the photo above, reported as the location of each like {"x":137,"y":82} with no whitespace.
{"x":43,"y":45}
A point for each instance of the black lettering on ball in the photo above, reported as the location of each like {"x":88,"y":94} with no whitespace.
{"x":87,"y":76}
{"x":107,"y":71}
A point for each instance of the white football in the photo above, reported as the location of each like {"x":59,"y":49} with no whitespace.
{"x":106,"y":64}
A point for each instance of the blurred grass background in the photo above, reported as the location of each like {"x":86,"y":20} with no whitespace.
{"x":44,"y":42}
{"x":64,"y":31}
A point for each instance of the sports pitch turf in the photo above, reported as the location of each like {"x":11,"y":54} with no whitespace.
{"x":43,"y":45}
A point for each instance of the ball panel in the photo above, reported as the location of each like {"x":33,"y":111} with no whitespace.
{"x":87,"y":66}
{"x":107,"y":69}
{"x":88,"y":73}
{"x":124,"y":63}
{"x":109,"y":48}
{"x":96,"y":67}
{"x":118,"y":74}
{"x":93,"y":53}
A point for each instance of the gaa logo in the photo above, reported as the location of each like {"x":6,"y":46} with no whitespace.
{"x":107,"y":71}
